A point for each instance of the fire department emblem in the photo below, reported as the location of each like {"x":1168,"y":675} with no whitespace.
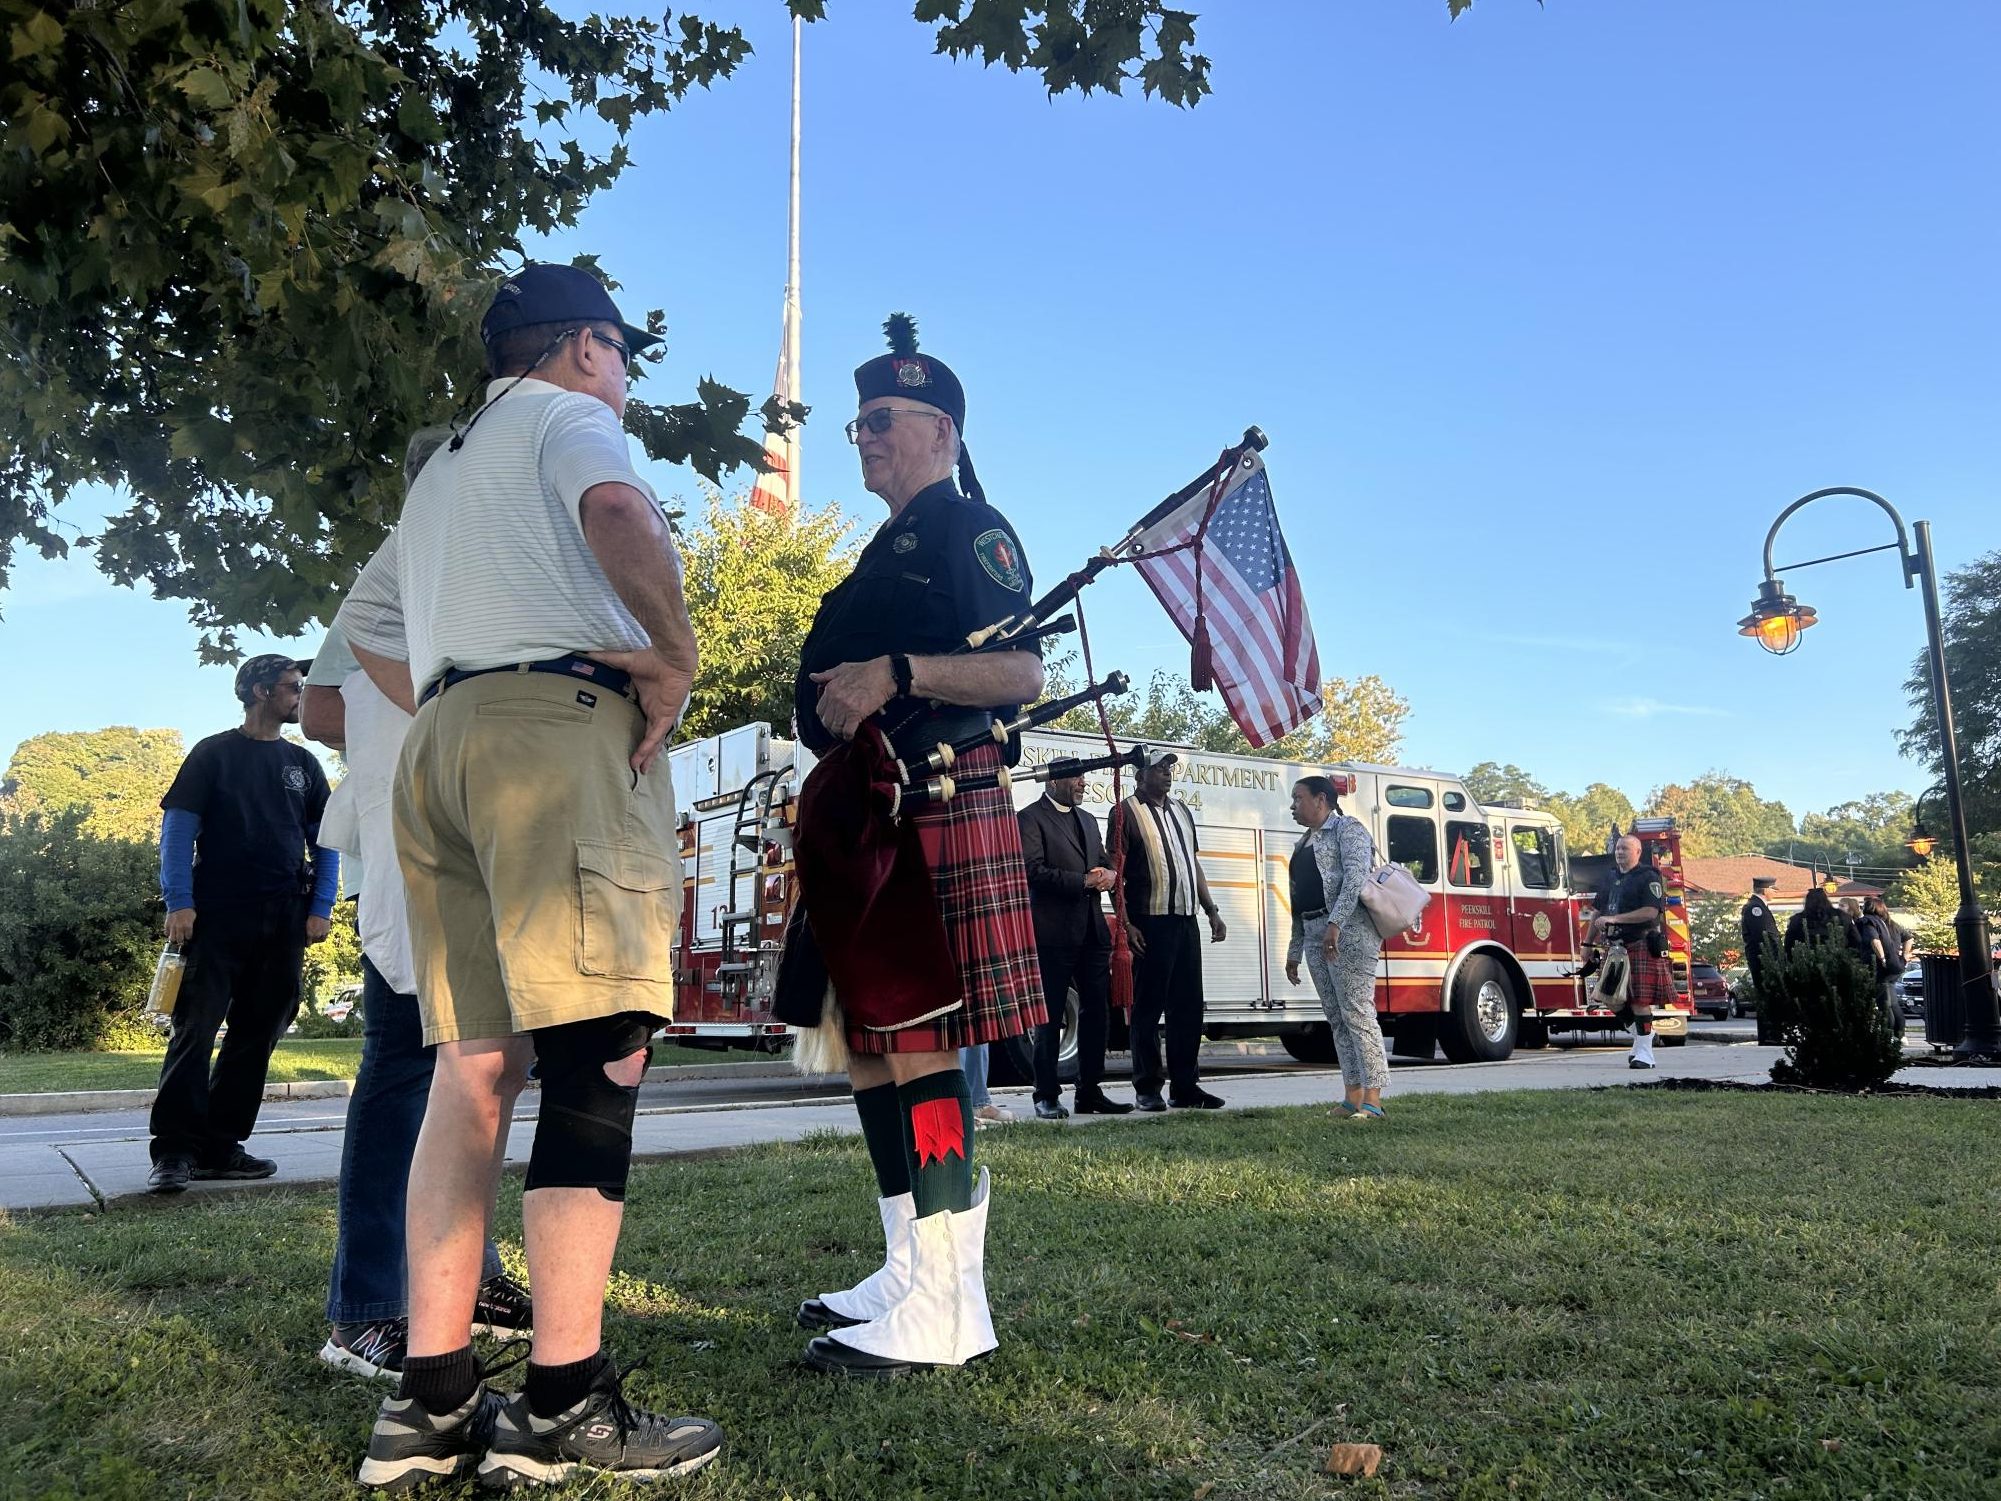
{"x":295,"y":778}
{"x":995,"y":550}
{"x":912,"y":373}
{"x":905,"y":542}
{"x":1539,"y":925}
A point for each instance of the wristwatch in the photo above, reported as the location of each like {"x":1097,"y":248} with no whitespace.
{"x":899,"y":670}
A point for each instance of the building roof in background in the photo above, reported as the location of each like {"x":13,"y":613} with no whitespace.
{"x":1731,"y":875}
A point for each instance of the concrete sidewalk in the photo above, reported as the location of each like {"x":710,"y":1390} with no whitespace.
{"x":92,"y":1162}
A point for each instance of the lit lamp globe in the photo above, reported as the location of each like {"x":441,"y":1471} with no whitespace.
{"x":1921,"y":844}
{"x":1777,"y":620}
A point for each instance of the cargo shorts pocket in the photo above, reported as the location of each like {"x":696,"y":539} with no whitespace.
{"x":628,"y":900}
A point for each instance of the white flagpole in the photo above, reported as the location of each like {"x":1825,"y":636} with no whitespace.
{"x":792,"y":274}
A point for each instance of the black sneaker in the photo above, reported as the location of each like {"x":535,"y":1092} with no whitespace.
{"x":1200,"y":1099}
{"x":504,"y":1307}
{"x":410,"y":1448}
{"x":170,"y":1175}
{"x":239,"y":1164}
{"x":1150,"y":1104}
{"x":603,"y":1432}
{"x":374,"y":1349}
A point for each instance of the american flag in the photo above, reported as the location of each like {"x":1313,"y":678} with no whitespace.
{"x":777,"y":490}
{"x":1261,"y":643}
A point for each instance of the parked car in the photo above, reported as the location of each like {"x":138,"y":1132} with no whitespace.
{"x":1911,"y":990}
{"x":1709,"y":991}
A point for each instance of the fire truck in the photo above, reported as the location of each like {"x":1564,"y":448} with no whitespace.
{"x":1490,"y":966}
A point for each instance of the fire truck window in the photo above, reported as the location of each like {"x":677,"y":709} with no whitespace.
{"x":1455,"y":802}
{"x":1414,"y":846}
{"x":1409,"y":797}
{"x":1535,"y":858}
{"x":1471,"y":862}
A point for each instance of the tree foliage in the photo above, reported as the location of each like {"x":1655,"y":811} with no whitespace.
{"x":249,"y":241}
{"x":1498,"y":786}
{"x":79,"y":933}
{"x":1721,"y":815}
{"x":753,"y":583}
{"x":1929,"y":894}
{"x":1970,"y":610}
{"x":1714,"y":930}
{"x":1588,"y":818}
{"x":116,"y":775}
{"x":1870,"y":829}
{"x":1360,"y":719}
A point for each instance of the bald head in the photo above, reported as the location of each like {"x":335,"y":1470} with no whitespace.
{"x":1627,"y":853}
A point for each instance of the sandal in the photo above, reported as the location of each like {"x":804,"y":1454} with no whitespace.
{"x":1343,"y":1111}
{"x":1370,"y":1113}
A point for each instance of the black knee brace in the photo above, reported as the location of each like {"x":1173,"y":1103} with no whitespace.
{"x":583,"y":1136}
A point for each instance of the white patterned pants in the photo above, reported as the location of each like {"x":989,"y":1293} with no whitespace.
{"x":1347,"y":990}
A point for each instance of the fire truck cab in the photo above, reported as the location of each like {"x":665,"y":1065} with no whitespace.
{"x":1491,"y":965}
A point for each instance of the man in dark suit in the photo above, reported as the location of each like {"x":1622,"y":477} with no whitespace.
{"x":1067,"y":879}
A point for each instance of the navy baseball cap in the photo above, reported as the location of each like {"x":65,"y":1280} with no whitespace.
{"x":265,"y":672}
{"x":544,"y":293}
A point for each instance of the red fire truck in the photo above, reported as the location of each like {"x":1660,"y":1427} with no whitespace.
{"x":1490,"y":966}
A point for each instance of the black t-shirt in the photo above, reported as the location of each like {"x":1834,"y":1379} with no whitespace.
{"x":258,"y":801}
{"x":939,"y":570}
{"x":1309,"y":892}
{"x":1639,"y":887}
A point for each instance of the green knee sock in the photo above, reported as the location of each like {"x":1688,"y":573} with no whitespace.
{"x":882,"y":1131}
{"x":937,"y":1115}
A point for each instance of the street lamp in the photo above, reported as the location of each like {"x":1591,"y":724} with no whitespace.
{"x":1922,"y":841}
{"x":1777,"y":621}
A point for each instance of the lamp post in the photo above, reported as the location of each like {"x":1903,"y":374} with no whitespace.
{"x":1922,"y":841}
{"x":1777,"y":621}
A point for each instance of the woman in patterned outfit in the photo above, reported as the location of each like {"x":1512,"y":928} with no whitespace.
{"x":1339,"y":941}
{"x":953,"y":966}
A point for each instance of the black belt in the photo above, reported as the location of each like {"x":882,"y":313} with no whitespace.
{"x":1314,"y":916}
{"x":583,"y":669}
{"x":947,"y":727}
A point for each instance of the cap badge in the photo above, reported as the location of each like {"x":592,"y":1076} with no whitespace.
{"x":912,"y":373}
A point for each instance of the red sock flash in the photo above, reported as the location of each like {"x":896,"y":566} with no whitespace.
{"x":938,"y":1131}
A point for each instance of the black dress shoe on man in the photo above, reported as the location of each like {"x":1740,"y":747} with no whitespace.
{"x":1152,"y":1104}
{"x":1049,"y":1110}
{"x":1096,"y":1103}
{"x":1201,"y":1099}
{"x":170,"y":1175}
{"x":239,"y":1164}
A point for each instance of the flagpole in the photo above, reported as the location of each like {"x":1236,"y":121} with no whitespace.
{"x":792,"y":272}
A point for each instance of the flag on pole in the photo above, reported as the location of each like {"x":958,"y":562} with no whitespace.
{"x":777,"y":490}
{"x":1243,"y":604}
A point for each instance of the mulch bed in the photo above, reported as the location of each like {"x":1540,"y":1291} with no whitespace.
{"x":1887,"y":1091}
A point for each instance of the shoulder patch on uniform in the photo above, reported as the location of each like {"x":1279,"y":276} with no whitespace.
{"x":997,"y":554}
{"x":1653,"y":888}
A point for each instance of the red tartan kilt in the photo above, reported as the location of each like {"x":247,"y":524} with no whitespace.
{"x":1652,"y":982}
{"x":973,"y":846}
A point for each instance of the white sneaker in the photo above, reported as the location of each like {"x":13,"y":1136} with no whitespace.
{"x":992,"y":1115}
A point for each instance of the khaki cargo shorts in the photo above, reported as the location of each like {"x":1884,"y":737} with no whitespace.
{"x":544,"y":876}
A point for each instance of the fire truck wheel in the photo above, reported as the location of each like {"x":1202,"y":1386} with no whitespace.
{"x":1313,"y":1043}
{"x":1484,"y":1015}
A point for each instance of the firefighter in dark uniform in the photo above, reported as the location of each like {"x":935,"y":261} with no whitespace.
{"x":1630,"y":909}
{"x":879,"y":658}
{"x":1759,"y":928}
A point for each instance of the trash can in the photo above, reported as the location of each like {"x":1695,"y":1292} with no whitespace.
{"x":1945,"y":1006}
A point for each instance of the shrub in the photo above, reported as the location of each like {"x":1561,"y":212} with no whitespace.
{"x":79,"y":934}
{"x":1820,"y":1004}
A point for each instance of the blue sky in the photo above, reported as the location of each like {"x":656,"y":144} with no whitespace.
{"x":1548,"y":313}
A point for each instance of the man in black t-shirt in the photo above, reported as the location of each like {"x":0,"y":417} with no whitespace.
{"x":237,"y":854}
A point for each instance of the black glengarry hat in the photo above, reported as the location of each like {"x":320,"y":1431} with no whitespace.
{"x":905,"y":372}
{"x":918,"y":377}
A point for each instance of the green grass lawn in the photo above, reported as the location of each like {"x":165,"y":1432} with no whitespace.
{"x":1621,"y":1294}
{"x":296,"y":1059}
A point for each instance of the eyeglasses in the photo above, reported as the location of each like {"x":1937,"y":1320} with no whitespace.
{"x":880,"y":420}
{"x":624,"y":354}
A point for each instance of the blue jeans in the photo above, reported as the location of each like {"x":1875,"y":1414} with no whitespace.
{"x":384,"y":1115}
{"x":973,"y":1062}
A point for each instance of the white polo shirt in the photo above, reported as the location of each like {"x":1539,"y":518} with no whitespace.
{"x":489,"y":564}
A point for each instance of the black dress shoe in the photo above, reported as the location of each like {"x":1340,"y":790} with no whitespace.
{"x":170,"y":1175}
{"x":1098,"y":1104}
{"x":813,"y":1314}
{"x":1049,"y":1110}
{"x":1152,"y":1104}
{"x":1201,"y":1099}
{"x":836,"y":1359}
{"x":239,"y":1164}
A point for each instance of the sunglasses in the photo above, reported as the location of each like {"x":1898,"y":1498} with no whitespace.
{"x":880,"y":420}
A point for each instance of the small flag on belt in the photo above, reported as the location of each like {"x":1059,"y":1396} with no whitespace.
{"x":1235,"y":596}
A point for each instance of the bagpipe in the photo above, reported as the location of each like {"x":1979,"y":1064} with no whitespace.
{"x":866,"y":936}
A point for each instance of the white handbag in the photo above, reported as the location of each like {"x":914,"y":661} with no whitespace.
{"x":1391,"y":895}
